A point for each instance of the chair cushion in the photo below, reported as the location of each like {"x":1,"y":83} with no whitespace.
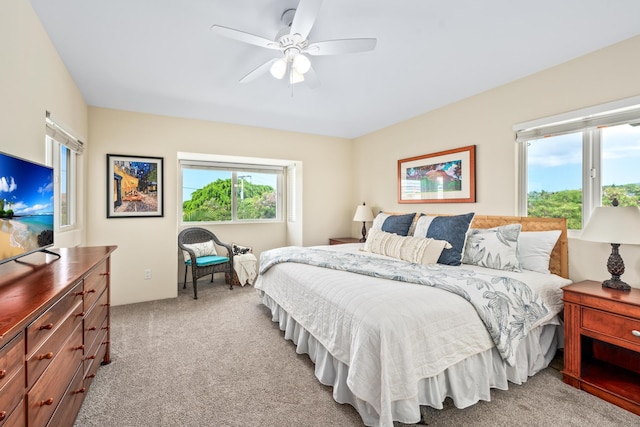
{"x":204,"y":261}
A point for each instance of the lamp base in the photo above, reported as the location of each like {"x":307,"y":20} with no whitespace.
{"x":616,"y":284}
{"x":364,"y":233}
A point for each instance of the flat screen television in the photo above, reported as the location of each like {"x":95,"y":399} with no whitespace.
{"x":26,"y":207}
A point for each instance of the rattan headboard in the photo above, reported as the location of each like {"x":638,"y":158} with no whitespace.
{"x":559,"y":262}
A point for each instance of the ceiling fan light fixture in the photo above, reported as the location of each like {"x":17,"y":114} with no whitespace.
{"x":278,"y":68}
{"x":295,"y":76}
{"x":301,"y":63}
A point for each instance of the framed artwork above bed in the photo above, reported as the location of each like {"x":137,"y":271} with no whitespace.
{"x":442,"y":177}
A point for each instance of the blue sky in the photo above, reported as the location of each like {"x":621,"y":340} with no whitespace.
{"x":556,"y":163}
{"x":194,"y":179}
{"x":26,"y":186}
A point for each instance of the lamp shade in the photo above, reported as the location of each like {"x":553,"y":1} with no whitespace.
{"x":609,"y":224}
{"x":363,"y":214}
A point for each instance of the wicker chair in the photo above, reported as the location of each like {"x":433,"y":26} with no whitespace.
{"x":199,"y":244}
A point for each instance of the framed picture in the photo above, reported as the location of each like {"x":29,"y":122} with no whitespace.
{"x":134,"y":186}
{"x":443,"y":177}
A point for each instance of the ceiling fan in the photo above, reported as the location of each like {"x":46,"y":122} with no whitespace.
{"x":294,"y":46}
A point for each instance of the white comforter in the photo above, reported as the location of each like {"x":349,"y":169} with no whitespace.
{"x":390,"y":334}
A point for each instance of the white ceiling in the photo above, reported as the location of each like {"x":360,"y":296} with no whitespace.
{"x":160,"y":57}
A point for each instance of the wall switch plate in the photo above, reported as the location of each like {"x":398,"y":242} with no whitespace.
{"x":147,"y":274}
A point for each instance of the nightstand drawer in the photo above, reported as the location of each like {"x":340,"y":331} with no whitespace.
{"x":612,"y":325}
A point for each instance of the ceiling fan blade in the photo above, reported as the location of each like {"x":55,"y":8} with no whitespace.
{"x":338,"y":47}
{"x":244,"y":37}
{"x":258,"y":71}
{"x":311,"y":79}
{"x":305,"y":17}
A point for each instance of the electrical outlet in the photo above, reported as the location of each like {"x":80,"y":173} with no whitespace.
{"x":147,"y":274}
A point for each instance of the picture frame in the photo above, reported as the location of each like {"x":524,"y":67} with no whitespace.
{"x":135,"y":186}
{"x":442,"y":177}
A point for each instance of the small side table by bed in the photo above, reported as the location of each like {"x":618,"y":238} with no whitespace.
{"x":602,"y":342}
{"x":343,"y":240}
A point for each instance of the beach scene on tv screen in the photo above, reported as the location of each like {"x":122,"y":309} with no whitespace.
{"x":26,"y":207}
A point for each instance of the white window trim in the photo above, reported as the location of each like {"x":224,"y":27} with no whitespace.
{"x":56,"y":136}
{"x":588,"y":121}
{"x":237,"y":164}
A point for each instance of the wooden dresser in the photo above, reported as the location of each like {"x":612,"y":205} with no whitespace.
{"x":602,"y":342}
{"x":54,"y":333}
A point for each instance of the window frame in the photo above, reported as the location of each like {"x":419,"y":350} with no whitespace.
{"x":236,"y":169}
{"x":55,"y":139}
{"x":588,"y":122}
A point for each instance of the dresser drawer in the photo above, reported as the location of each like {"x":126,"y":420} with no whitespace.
{"x":41,"y":357}
{"x":93,"y":358}
{"x":94,"y":320}
{"x":44,"y":326}
{"x":617,"y":327}
{"x":46,"y":393}
{"x":70,"y":403}
{"x":11,"y":359}
{"x":17,"y":418}
{"x":11,"y":393}
{"x":94,"y":284}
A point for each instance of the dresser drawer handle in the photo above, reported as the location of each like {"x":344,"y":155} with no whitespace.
{"x":91,"y":291}
{"x":81,"y":314}
{"x":91,"y":376}
{"x":81,"y":293}
{"x":47,"y":326}
{"x":3,"y":372}
{"x":45,"y":356}
{"x":80,"y":347}
{"x":104,"y":274}
{"x":93,"y":328}
{"x":635,"y":333}
{"x":90,"y":357}
{"x":49,"y":401}
{"x":80,"y":390}
{"x":2,"y":415}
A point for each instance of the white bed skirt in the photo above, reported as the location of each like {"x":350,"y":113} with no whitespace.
{"x":466,"y":382}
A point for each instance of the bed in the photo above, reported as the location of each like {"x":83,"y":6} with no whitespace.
{"x":390,"y":335}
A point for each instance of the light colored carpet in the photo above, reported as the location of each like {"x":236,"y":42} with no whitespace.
{"x":220,"y":361}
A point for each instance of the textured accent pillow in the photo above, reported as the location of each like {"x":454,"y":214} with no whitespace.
{"x":452,"y":229}
{"x":241,"y":250}
{"x":396,"y":224}
{"x":201,"y":249}
{"x":413,"y":249}
{"x":493,"y":247}
{"x":534,"y":249}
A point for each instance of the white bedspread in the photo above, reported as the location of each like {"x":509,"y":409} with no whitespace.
{"x":390,"y":334}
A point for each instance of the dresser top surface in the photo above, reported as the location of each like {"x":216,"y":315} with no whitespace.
{"x":29,"y":284}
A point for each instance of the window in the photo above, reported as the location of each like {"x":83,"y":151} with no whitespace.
{"x":569,"y":167}
{"x":63,"y":151}
{"x":230,"y":192}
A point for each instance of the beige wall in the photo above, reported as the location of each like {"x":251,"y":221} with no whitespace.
{"x":151,"y":242}
{"x":486,"y":120}
{"x":34,"y":80}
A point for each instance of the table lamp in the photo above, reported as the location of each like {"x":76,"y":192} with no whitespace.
{"x":364,"y":214}
{"x":615,"y":225}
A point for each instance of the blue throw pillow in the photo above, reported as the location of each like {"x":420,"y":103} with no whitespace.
{"x":453,"y":229}
{"x":398,"y":224}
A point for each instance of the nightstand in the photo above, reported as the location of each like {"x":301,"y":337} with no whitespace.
{"x":342,"y":240}
{"x":602,"y":342}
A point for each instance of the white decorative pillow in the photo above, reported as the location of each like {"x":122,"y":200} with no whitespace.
{"x":493,"y":247}
{"x":201,"y":249}
{"x":534,"y":249}
{"x":407,"y":248}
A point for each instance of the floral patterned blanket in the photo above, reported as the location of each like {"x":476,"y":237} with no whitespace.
{"x":508,"y":307}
